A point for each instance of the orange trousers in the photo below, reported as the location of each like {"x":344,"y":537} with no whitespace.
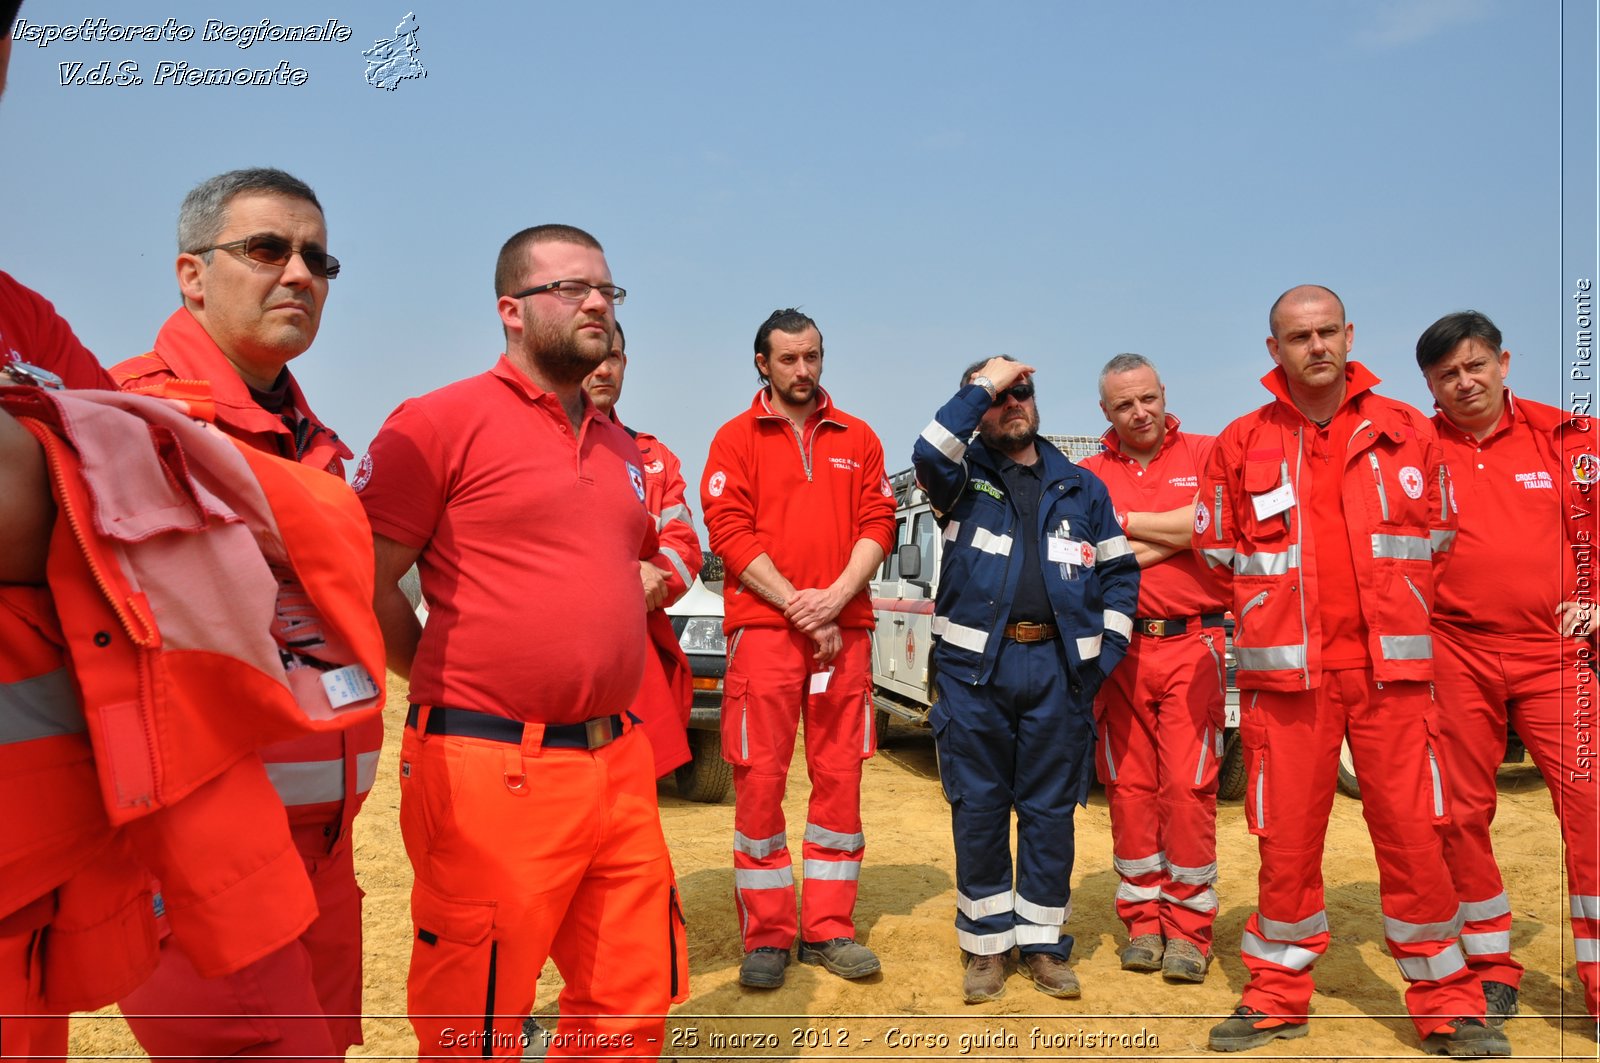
{"x":523,"y":853}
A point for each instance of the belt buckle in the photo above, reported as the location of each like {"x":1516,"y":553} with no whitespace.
{"x":598,"y":732}
{"x":1028,"y":631}
{"x":1158,"y":628}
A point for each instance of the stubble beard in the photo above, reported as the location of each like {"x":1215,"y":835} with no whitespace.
{"x":564,"y":358}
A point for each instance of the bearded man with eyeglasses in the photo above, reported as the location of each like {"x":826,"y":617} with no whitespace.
{"x":527,"y":790}
{"x":253,"y":270}
{"x":1037,"y":588}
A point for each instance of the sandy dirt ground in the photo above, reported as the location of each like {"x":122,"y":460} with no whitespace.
{"x":913,"y":1010}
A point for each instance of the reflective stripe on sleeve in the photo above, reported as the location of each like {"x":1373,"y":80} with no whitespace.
{"x":990,"y":543}
{"x":40,"y":706}
{"x":939,"y":438}
{"x":672,"y":513}
{"x":994,"y":904}
{"x":968,"y":638}
{"x":760,"y":848}
{"x":1116,"y":546}
{"x":1441,"y":539}
{"x":1406,"y":647}
{"x":1218,"y":556}
{"x":1121,"y":623}
{"x":677,"y":564}
{"x":1089,"y":648}
{"x":832,"y":839}
{"x":951,"y":530}
{"x":1442,"y":964}
{"x":1402,"y":547}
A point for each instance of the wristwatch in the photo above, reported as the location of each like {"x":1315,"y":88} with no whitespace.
{"x":21,"y":372}
{"x":986,"y":384}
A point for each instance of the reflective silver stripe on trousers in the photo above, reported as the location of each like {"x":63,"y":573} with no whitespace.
{"x":1218,"y":556}
{"x":753,"y":878}
{"x":1194,"y":876}
{"x":1128,"y":892}
{"x":1497,"y":943}
{"x":1585,"y":907}
{"x":985,"y":944}
{"x":1410,"y":933}
{"x":939,"y":438}
{"x":1089,"y":648}
{"x":1402,"y":547}
{"x":1442,"y":964}
{"x":1406,"y":647}
{"x":994,"y":904}
{"x":1204,"y":901}
{"x":833,"y":870}
{"x":1116,"y":546}
{"x":1038,"y":913}
{"x":672,"y":513}
{"x":832,"y":839}
{"x":968,"y":638}
{"x":760,"y":848}
{"x":1441,"y":540}
{"x":40,"y":706}
{"x":1121,"y":623}
{"x":1310,"y":926}
{"x":1269,"y":658}
{"x":1475,"y":911}
{"x":987,"y":541}
{"x":1291,"y":956}
{"x":314,"y":782}
{"x":677,"y":564}
{"x":1587,"y":950}
{"x":1030,"y":934}
{"x":1267,"y":562}
{"x":1142,"y":866}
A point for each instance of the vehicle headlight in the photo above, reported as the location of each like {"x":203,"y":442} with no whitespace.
{"x":703,"y":634}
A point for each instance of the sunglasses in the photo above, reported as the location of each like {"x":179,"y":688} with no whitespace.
{"x":272,"y":250}
{"x":1020,"y":392}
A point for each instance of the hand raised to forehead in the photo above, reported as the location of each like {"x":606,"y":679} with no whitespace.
{"x":1003,"y":372}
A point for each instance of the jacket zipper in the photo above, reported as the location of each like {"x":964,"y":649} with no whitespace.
{"x":1438,"y":783}
{"x":1252,"y":603}
{"x":1218,"y":521}
{"x":1377,"y":478}
{"x":799,"y":441}
{"x":1305,"y":627}
{"x":1420,"y":600}
{"x":1211,"y":645}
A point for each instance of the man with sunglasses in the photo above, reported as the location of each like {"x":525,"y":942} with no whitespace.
{"x":253,"y":272}
{"x":1037,"y":587}
{"x":527,"y":793}
{"x":1160,"y":716}
{"x":797,"y":504}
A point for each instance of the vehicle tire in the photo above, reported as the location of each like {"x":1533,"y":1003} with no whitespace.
{"x":1349,"y":785}
{"x":707,"y":777}
{"x":880,"y":728}
{"x":1231,"y":773}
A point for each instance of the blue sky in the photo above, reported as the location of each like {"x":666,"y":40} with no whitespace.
{"x":933,"y":182}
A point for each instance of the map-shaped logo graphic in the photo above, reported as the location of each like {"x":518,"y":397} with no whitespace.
{"x":395,"y":60}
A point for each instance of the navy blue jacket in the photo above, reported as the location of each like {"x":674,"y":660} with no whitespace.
{"x":1093,"y":602}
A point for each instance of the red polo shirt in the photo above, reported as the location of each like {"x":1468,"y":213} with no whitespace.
{"x":31,"y":331}
{"x":531,"y":541}
{"x":1506,"y":568}
{"x":1175,"y":587}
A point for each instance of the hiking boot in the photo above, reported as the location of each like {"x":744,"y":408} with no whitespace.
{"x":1143,"y":953}
{"x":842,"y":956}
{"x":985,"y":978}
{"x":1466,"y":1037}
{"x":1050,"y":974}
{"x":1250,"y":1028}
{"x":1502,"y":1001}
{"x":763,"y":968}
{"x":1183,"y":962}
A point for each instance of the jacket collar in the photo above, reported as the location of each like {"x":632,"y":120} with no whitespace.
{"x":1113,"y":442}
{"x":1358,"y":380}
{"x":513,"y":377}
{"x":761,"y":406}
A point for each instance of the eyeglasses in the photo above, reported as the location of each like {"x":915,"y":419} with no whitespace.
{"x":576,"y":291}
{"x":272,"y":250}
{"x":1020,"y":392}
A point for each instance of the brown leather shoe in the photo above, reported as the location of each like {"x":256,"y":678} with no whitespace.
{"x":1050,"y":974}
{"x":985,"y":978}
{"x":1143,"y":953}
{"x":1184,"y":962}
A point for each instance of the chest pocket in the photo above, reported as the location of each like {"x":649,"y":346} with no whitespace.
{"x":1263,"y":473}
{"x":1397,"y":495}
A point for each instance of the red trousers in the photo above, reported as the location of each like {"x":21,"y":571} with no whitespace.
{"x":304,"y":1000}
{"x":1292,"y":742}
{"x":1160,"y":718}
{"x":1547,"y":689}
{"x":26,"y":1028}
{"x":768,"y":689}
{"x":524,"y":853}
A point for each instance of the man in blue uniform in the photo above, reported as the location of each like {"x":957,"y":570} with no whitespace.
{"x":1037,"y":588}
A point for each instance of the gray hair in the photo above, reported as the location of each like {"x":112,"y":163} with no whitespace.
{"x":1125,"y":363}
{"x":967,"y":373}
{"x":204,"y":213}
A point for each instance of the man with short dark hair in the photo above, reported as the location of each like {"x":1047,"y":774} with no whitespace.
{"x":1160,"y":715}
{"x":527,"y":795}
{"x":1326,"y":511}
{"x":797,"y":504}
{"x":1037,"y":586}
{"x":665,"y":692}
{"x":1513,"y":634}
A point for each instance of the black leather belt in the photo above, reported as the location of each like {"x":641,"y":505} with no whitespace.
{"x":1027,"y":631}
{"x":465,"y":723}
{"x":1160,"y":628}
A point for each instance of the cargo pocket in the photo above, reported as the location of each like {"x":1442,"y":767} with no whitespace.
{"x":1438,"y":794}
{"x":939,"y":720}
{"x":1253,"y":733}
{"x":736,"y":719}
{"x":678,"y":945}
{"x":100,"y":945}
{"x":453,"y":948}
